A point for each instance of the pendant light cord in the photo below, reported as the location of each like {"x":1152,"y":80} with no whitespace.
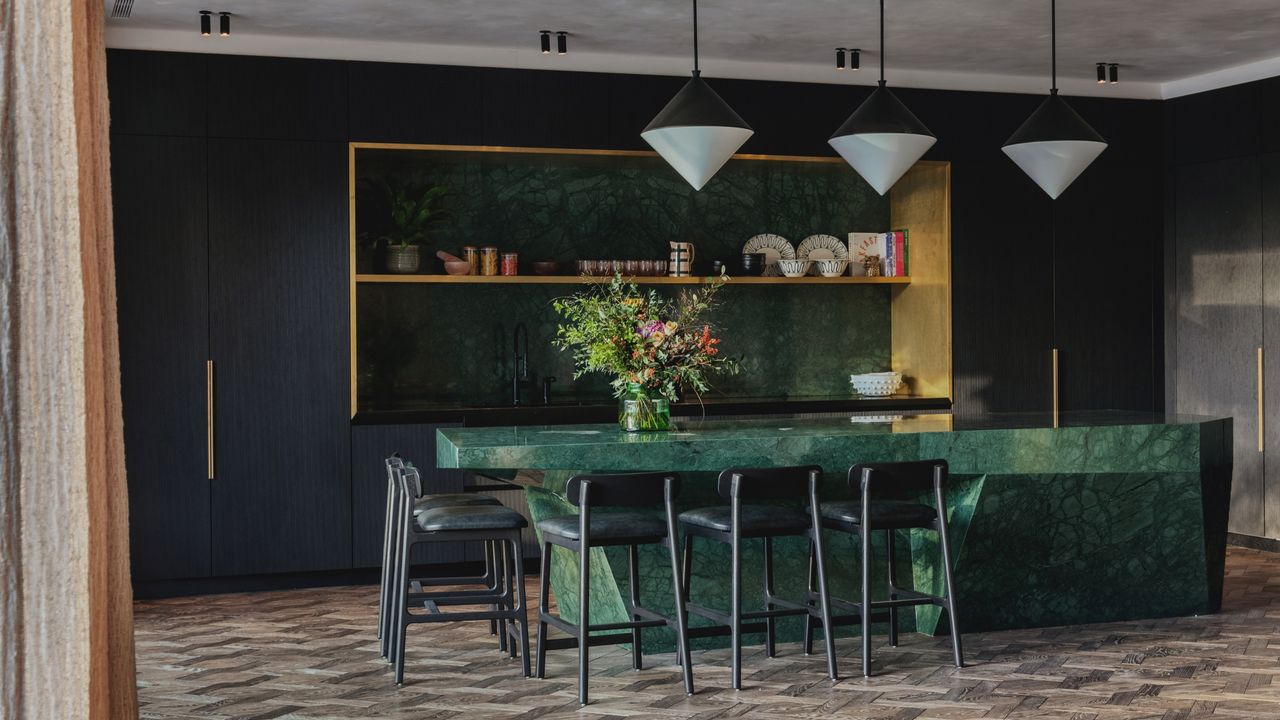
{"x":696,"y":69}
{"x":1053,"y":44}
{"x":881,"y":42}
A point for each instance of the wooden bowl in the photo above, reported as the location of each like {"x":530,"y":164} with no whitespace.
{"x":457,"y":267}
{"x":544,"y":267}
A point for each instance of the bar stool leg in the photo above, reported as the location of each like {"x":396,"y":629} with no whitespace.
{"x":890,"y":537}
{"x":682,"y":618}
{"x":384,"y":592}
{"x":543,"y":609}
{"x":808,"y":619}
{"x":686,"y":568}
{"x":865,"y":609}
{"x":633,"y":579}
{"x":521,"y":607}
{"x":584,"y":621}
{"x":770,"y":624}
{"x":735,"y":619}
{"x":956,"y":649}
{"x":491,"y":580}
{"x":504,"y":582}
{"x":824,"y":600}
{"x":402,"y":610}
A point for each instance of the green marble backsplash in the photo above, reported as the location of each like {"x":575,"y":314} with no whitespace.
{"x":425,"y":343}
{"x":453,"y":343}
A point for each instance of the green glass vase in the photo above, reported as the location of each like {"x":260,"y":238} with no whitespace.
{"x":638,"y":412}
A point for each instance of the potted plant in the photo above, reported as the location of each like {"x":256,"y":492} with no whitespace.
{"x":652,"y":346}
{"x":413,"y":205}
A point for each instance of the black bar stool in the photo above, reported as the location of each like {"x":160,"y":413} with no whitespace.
{"x":745,"y":518}
{"x":579,"y":533}
{"x":391,"y":543}
{"x":886,"y":495}
{"x":459,"y":523}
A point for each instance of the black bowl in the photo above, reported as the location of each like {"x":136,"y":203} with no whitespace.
{"x":753,"y":264}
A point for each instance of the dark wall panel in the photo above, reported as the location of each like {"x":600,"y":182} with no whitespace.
{"x":155,"y":93}
{"x":415,"y":104}
{"x":278,"y":333}
{"x":533,"y":108}
{"x":277,"y":98}
{"x":1217,"y":124}
{"x":162,"y":303}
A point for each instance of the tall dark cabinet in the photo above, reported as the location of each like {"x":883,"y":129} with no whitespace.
{"x":278,"y":340}
{"x":162,"y":276}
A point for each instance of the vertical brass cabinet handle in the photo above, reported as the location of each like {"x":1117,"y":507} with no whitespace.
{"x":1055,"y":387}
{"x":1262,"y":421}
{"x":208,"y":404}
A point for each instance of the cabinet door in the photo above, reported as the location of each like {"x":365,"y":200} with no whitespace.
{"x":1219,"y":323}
{"x":1105,"y":289}
{"x":278,"y":335}
{"x":158,"y":202}
{"x":1001,"y":292}
{"x":1271,"y":341}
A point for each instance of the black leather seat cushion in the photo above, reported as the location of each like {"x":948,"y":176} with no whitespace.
{"x":884,"y":513}
{"x":609,"y":526}
{"x":755,"y":519}
{"x":469,"y":517}
{"x":439,"y":500}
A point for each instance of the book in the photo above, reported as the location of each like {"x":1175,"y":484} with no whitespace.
{"x":899,"y":253}
{"x":891,"y":258}
{"x":862,"y":244}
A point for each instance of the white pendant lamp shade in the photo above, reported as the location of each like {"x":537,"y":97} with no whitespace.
{"x":697,"y":132}
{"x":882,"y":139}
{"x":1054,"y":145}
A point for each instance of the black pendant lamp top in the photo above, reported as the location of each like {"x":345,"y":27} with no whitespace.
{"x":1055,"y":144}
{"x":697,"y":132}
{"x":1054,"y":120}
{"x":882,"y":139}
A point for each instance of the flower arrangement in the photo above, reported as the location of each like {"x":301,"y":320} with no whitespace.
{"x":653,"y":346}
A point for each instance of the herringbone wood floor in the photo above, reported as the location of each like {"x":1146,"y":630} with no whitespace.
{"x":311,"y":654}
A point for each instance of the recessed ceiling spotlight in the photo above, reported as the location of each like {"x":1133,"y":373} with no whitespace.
{"x":546,"y":41}
{"x":224,"y":24}
{"x":1114,"y":76}
{"x":206,"y":25}
{"x":1102,"y":73}
{"x":562,"y":42}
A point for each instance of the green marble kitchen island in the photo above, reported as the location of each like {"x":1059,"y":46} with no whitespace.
{"x":1105,"y":516}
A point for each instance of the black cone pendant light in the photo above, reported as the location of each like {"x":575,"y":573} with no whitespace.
{"x":697,"y":132}
{"x":1055,"y":144}
{"x":882,"y":139}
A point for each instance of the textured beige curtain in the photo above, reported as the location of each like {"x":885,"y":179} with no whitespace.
{"x":66,"y":628}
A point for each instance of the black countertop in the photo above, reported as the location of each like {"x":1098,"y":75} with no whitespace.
{"x":571,"y":412}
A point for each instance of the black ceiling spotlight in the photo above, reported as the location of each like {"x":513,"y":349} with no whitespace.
{"x":1102,"y":73}
{"x":206,"y":25}
{"x":855,"y":59}
{"x":224,"y":24}
{"x":562,"y":42}
{"x":1115,"y":73}
{"x":546,"y":41}
{"x":840,"y":58}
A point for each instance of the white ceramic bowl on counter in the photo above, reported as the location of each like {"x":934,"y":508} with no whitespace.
{"x":793,"y":268}
{"x":881,"y":384}
{"x":831,"y":268}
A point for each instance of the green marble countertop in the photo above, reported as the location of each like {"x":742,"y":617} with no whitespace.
{"x":1110,"y":441}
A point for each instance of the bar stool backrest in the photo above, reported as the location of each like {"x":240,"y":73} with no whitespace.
{"x":898,"y":480}
{"x":765,"y":484}
{"x":410,"y":481}
{"x":623,"y":489}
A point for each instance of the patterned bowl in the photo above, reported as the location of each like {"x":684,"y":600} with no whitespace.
{"x":880,"y":384}
{"x":793,"y":268}
{"x":832,"y":267}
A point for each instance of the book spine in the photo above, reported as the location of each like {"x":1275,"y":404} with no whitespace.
{"x":899,"y":253}
{"x":888,"y":254}
{"x":906,"y":252}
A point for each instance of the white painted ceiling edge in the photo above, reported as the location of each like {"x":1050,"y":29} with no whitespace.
{"x":469,"y":55}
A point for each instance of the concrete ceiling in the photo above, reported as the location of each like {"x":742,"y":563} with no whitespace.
{"x":1164,"y":47}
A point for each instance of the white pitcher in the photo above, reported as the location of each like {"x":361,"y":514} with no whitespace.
{"x":681,"y":264}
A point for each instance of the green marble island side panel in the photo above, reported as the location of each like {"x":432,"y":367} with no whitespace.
{"x":1111,"y":517}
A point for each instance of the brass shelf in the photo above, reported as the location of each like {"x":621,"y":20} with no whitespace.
{"x":657,"y":280}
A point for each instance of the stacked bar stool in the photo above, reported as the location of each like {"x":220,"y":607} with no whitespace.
{"x":391,"y":543}
{"x":885,"y":501}
{"x":579,"y":533}
{"x":457,"y":523}
{"x":753,"y":513}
